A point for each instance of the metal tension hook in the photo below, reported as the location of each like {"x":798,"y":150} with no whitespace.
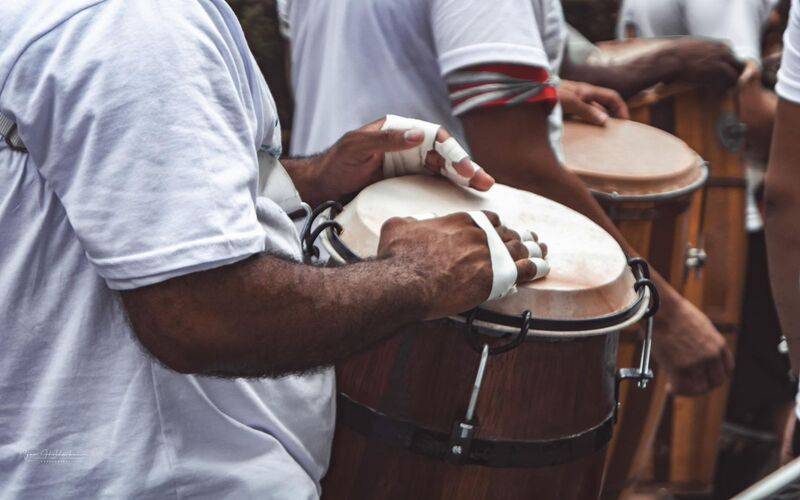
{"x":464,"y":430}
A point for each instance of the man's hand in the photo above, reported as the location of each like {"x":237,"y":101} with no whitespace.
{"x":452,"y":254}
{"x":591,"y":103}
{"x":704,"y":62}
{"x":356,"y":161}
{"x":691,"y":351}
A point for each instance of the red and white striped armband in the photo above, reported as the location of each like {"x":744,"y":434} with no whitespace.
{"x":488,"y":85}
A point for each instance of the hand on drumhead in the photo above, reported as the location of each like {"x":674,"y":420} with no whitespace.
{"x":452,"y":255}
{"x":689,"y":348}
{"x":591,"y":103}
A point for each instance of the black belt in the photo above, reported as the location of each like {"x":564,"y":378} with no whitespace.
{"x":406,"y":435}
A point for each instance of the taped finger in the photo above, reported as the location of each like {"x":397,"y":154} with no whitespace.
{"x":452,"y":152}
{"x":504,"y":269}
{"x":411,"y":160}
{"x":531,"y":269}
{"x":534,"y":250}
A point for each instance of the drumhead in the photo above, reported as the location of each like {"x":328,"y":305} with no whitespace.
{"x":627,"y":158}
{"x":589,"y":275}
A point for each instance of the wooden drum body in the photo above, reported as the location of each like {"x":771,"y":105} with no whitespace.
{"x":545,"y":408}
{"x":706,"y":119}
{"x":649,"y":183}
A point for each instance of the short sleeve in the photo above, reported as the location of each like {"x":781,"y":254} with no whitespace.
{"x":140,"y":117}
{"x":473,"y":32}
{"x":739,"y":22}
{"x":788,"y":86}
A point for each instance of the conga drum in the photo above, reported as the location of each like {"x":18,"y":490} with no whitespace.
{"x":649,"y":182}
{"x":514,"y":399}
{"x":706,"y":119}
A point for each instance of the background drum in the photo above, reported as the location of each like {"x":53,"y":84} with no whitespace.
{"x":705,"y":118}
{"x":649,"y":183}
{"x":545,"y":408}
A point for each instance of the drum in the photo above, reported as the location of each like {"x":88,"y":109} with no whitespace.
{"x":515,"y":399}
{"x":706,"y":119}
{"x":649,"y":183}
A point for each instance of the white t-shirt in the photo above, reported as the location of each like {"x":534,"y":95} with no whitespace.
{"x":354,"y":61}
{"x":739,"y":22}
{"x":143,"y":120}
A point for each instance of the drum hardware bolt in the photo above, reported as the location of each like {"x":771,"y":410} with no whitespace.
{"x":696,"y":259}
{"x":464,"y":431}
{"x":731,"y":132}
{"x":308,"y":236}
{"x":783,"y":345}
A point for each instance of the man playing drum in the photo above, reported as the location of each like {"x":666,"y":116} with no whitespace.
{"x":486,"y":71}
{"x":130,"y":216}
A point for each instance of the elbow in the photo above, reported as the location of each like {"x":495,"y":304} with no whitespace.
{"x":182,"y":354}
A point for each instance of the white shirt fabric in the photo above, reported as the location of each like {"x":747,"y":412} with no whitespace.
{"x":143,"y":120}
{"x":354,"y":61}
{"x":739,"y":22}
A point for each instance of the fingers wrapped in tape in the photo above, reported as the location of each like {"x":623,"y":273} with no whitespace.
{"x":452,"y":152}
{"x":542,"y":268}
{"x":504,"y":269}
{"x":534,"y":250}
{"x":412,"y":160}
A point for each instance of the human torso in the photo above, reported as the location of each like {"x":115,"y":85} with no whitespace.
{"x":356,"y":61}
{"x":85,"y":412}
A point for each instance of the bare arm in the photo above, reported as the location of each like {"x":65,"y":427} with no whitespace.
{"x":686,"y":60}
{"x":513,"y":142}
{"x":783,"y":223}
{"x":269,"y":317}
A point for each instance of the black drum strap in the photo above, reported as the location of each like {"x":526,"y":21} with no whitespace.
{"x":408,"y":436}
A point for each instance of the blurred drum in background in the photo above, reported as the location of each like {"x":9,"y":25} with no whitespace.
{"x":515,"y":399}
{"x":649,"y":182}
{"x":706,"y":119}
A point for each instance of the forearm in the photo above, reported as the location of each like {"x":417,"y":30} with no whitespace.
{"x":781,"y":224}
{"x":268,"y":317}
{"x":630,"y":78}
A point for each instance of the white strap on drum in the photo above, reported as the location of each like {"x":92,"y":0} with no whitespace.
{"x":504,"y":269}
{"x":412,"y":161}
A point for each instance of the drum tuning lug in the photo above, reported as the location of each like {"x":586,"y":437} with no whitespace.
{"x":464,"y":430}
{"x":696,"y":259}
{"x":731,"y":132}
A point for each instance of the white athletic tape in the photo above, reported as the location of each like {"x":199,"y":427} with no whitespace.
{"x":542,"y":268}
{"x":452,"y":152}
{"x":412,"y":161}
{"x":409,"y":161}
{"x":425,"y":216}
{"x":504,"y":270}
{"x":534,"y":250}
{"x":526,"y":234}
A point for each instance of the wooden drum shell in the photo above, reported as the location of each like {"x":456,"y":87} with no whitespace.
{"x":556,"y":385}
{"x":684,"y":457}
{"x":425,"y":374}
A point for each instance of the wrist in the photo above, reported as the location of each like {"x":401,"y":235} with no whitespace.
{"x":308,"y":176}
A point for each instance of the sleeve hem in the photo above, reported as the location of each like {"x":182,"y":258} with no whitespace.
{"x":134,"y":271}
{"x":492,"y":53}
